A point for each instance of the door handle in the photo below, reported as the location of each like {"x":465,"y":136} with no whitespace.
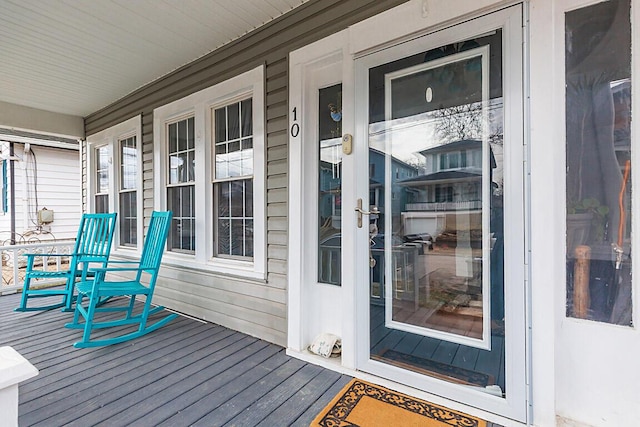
{"x":374,"y":211}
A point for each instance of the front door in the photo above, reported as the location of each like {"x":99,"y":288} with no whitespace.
{"x":440,"y":208}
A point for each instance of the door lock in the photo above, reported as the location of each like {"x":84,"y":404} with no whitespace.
{"x":374,"y":211}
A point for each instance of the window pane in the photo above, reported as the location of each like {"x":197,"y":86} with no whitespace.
{"x":237,"y":237}
{"x":234,"y":201}
{"x":128,"y":163}
{"x":248,"y":198}
{"x":247,"y":120}
{"x":102,"y":203}
{"x":224,"y":243}
{"x":246,"y":162}
{"x":173,"y":137}
{"x":234,"y":156}
{"x":128,"y":219}
{"x":191,"y":162}
{"x":181,"y":153}
{"x":598,"y":128}
{"x":191,"y":140}
{"x":224,"y":199}
{"x":237,"y":199}
{"x":248,"y":238}
{"x":180,"y":200}
{"x":330,"y":184}
{"x":233,"y":111}
{"x":221,"y":124}
{"x":102,"y":172}
{"x":222,"y":167}
{"x":182,"y":136}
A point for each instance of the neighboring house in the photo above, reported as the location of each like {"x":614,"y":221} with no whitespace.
{"x":452,"y":181}
{"x":46,"y":188}
{"x":494,"y":138}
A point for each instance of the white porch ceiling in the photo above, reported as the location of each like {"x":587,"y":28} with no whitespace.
{"x":77,"y":56}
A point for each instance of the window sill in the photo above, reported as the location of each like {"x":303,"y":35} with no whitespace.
{"x":240,"y":269}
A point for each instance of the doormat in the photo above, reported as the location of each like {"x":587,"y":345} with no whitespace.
{"x":361,"y":404}
{"x":435,"y":369}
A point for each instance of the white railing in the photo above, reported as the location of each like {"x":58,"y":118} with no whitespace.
{"x":445,"y":206}
{"x":14,"y":262}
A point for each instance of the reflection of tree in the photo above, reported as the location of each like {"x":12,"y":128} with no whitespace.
{"x":465,"y":121}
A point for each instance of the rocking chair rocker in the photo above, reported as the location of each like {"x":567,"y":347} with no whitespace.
{"x":92,"y":246}
{"x":99,"y":288}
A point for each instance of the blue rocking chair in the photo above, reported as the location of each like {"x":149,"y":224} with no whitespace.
{"x":92,"y":246}
{"x":99,"y":288}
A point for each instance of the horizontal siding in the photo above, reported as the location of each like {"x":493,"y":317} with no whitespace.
{"x":256,"y":308}
{"x":52,"y":182}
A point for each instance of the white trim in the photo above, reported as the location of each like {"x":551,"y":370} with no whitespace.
{"x":200,"y":105}
{"x":485,"y":341}
{"x":311,"y":68}
{"x":111,"y":137}
{"x":510,"y":20}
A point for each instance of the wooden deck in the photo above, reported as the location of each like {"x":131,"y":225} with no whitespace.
{"x":186,"y":373}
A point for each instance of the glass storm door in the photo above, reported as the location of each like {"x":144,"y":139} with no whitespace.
{"x":443,"y":158}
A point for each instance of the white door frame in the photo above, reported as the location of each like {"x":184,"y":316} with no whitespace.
{"x":515,"y":404}
{"x":360,"y":46}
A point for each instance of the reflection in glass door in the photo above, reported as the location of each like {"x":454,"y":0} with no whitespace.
{"x":330,"y":184}
{"x":436,"y":250}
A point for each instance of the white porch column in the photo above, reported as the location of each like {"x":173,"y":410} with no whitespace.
{"x":13,"y":369}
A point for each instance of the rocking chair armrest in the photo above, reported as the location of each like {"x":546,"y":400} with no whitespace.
{"x":33,"y":254}
{"x":122,"y":262}
{"x":115,"y":269}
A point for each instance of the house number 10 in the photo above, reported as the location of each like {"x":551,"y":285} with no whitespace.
{"x":295,"y":127}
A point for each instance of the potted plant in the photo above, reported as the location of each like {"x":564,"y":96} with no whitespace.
{"x":586,"y":219}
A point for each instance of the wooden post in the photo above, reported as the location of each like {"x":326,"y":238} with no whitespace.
{"x":581,"y":296}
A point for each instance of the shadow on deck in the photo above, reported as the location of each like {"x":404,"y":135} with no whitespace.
{"x":186,"y":373}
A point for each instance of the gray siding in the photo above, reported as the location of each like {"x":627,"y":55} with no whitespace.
{"x":254,"y":307}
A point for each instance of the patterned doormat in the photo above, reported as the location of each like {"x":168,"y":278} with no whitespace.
{"x":361,"y":404}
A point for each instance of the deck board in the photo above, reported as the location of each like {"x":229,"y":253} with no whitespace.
{"x":186,"y":373}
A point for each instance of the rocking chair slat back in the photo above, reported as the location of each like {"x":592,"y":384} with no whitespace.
{"x":155,"y":241}
{"x":95,"y":235}
{"x":92,"y":245}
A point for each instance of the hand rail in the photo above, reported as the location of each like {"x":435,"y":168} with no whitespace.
{"x":13,"y":271}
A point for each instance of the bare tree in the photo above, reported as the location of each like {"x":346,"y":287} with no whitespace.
{"x":465,"y":121}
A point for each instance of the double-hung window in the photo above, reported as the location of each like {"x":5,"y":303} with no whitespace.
{"x":233,"y":180}
{"x":128,"y":194}
{"x":209,"y":169}
{"x":114,"y":163}
{"x":102,"y":174}
{"x":181,"y":184}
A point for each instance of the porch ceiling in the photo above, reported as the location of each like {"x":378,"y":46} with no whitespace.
{"x":77,"y":56}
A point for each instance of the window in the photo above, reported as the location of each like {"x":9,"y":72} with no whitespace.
{"x":453,"y":160}
{"x":598,"y":162}
{"x":233,"y":179}
{"x":128,"y":184}
{"x":102,"y":179}
{"x":329,"y":193}
{"x":210,"y":171}
{"x":181,"y":163}
{"x":115,"y":183}
{"x":444,"y":193}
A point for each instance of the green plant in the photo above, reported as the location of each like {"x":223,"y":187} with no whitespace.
{"x":599,"y":214}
